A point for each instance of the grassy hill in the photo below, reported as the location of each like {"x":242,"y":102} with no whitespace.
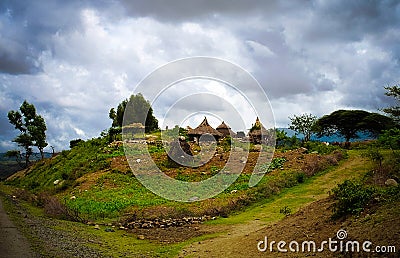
{"x":94,"y":180}
{"x":9,"y":166}
{"x":93,"y":183}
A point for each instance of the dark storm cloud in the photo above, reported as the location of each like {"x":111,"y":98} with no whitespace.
{"x":26,"y":28}
{"x":76,"y":59}
{"x":352,"y":20}
{"x":183,"y":10}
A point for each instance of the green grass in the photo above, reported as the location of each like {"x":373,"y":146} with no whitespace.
{"x":312,"y":189}
{"x":67,"y":166}
{"x":115,"y":192}
{"x":99,"y":201}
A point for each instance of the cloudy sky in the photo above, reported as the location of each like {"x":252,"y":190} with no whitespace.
{"x":74,"y":60}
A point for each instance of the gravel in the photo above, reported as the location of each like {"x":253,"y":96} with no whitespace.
{"x":46,"y":241}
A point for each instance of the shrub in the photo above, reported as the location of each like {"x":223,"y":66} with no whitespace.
{"x":214,"y":170}
{"x":314,"y":146}
{"x":275,"y":163}
{"x":390,"y":138}
{"x":300,"y":177}
{"x":351,"y":198}
{"x":74,"y":143}
{"x":375,"y":155}
{"x":285,"y":211}
{"x":226,"y":143}
{"x":53,"y":207}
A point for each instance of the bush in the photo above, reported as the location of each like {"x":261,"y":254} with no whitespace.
{"x":53,"y":207}
{"x":300,"y":177}
{"x":74,"y":143}
{"x":226,"y":143}
{"x":285,"y":211}
{"x":351,"y":198}
{"x":321,"y":148}
{"x":390,"y":138}
{"x":274,"y":164}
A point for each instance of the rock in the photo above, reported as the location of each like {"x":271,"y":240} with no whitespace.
{"x":141,"y":237}
{"x":96,"y":226}
{"x":72,"y":197}
{"x":56,"y":182}
{"x":391,"y":182}
{"x":233,"y":191}
{"x":138,"y":161}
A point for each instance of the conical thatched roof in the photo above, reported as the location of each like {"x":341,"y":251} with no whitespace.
{"x":258,"y":133}
{"x":204,"y":128}
{"x":223,"y":126}
{"x":225,"y":130}
{"x":258,"y":128}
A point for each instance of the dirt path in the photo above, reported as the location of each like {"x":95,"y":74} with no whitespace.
{"x":239,"y":232}
{"x":12,"y":242}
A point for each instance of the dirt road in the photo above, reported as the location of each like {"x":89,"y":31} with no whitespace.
{"x":240,"y":240}
{"x":12,"y":242}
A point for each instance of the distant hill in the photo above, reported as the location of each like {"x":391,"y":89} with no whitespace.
{"x":9,"y":166}
{"x":35,"y":156}
{"x":333,"y":138}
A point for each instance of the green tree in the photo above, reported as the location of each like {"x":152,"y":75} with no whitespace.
{"x":32,"y":127}
{"x":390,"y":138}
{"x":303,"y":124}
{"x":138,"y":110}
{"x":393,"y":91}
{"x":14,"y":154}
{"x":349,"y":123}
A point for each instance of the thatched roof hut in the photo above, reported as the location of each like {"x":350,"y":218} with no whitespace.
{"x":240,"y":134}
{"x":225,"y":130}
{"x":258,"y":133}
{"x":203,"y":129}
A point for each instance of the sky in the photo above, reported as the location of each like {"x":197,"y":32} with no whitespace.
{"x":74,"y":60}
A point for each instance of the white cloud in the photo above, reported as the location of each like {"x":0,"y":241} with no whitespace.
{"x":79,"y":60}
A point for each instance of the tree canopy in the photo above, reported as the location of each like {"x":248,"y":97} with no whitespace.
{"x":394,"y":111}
{"x":138,"y":110}
{"x":32,"y":127}
{"x":303,"y":124}
{"x":349,"y":123}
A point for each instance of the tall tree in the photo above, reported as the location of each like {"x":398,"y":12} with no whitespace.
{"x":394,"y":111}
{"x":32,"y":127}
{"x":349,"y":123}
{"x":138,"y":110}
{"x":303,"y":124}
{"x":38,"y":132}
